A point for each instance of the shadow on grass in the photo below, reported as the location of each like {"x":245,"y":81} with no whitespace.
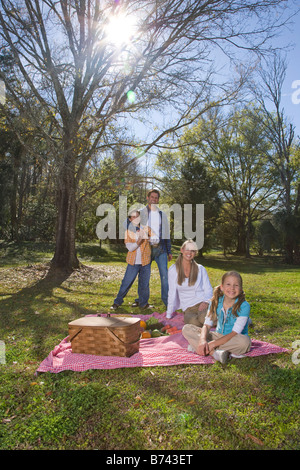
{"x":179,"y":397}
{"x":15,"y":253}
{"x":34,"y":310}
{"x":253,"y":265}
{"x":225,"y":404}
{"x":41,"y":309}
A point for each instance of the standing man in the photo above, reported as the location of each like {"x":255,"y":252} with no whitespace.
{"x":160,"y":241}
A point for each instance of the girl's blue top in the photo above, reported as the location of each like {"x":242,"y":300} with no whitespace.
{"x":226,"y":322}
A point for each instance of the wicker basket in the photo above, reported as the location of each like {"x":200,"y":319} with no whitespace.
{"x":105,"y":336}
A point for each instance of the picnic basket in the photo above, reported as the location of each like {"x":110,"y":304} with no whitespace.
{"x":105,"y":336}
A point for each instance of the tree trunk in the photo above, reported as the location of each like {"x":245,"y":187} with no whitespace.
{"x":241,"y":239}
{"x":15,"y":221}
{"x":241,"y":246}
{"x":65,"y":257}
{"x":289,"y":241}
{"x":248,"y":233}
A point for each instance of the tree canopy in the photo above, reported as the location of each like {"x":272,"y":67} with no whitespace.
{"x":81,"y":70}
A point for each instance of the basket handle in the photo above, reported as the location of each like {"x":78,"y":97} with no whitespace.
{"x":74,"y":335}
{"x":116,"y":338}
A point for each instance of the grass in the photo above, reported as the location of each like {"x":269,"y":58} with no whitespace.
{"x":249,"y":404}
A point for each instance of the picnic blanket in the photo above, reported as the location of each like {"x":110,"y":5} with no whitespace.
{"x":162,"y":351}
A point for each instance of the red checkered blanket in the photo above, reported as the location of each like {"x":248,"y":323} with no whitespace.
{"x":162,"y":351}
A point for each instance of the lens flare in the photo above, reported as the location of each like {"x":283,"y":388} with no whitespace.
{"x":131,"y":96}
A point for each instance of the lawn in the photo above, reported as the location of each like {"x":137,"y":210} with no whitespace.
{"x":249,"y":404}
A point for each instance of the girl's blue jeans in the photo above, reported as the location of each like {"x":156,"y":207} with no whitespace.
{"x":131,"y":273}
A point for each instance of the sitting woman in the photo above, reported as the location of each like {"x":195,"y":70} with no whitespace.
{"x":189,"y":287}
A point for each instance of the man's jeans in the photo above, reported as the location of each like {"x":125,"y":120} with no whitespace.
{"x":161,"y":259}
{"x":143,"y":283}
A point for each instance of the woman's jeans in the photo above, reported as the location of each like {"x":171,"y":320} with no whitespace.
{"x":143,"y":283}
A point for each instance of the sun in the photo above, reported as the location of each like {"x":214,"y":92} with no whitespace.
{"x":120,"y":29}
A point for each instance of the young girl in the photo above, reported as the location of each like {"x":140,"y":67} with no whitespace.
{"x":138,"y":262}
{"x":229,"y":307}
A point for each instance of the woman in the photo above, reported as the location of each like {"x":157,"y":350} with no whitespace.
{"x":189,"y":287}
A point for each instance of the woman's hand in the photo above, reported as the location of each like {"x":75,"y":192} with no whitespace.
{"x":202,"y":306}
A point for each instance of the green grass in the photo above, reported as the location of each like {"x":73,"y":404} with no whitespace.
{"x":249,"y":404}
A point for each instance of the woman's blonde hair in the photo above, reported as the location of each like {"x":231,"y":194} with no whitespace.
{"x":218,"y":293}
{"x":194,"y":266}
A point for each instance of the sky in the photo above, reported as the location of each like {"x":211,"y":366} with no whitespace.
{"x":290,"y":95}
{"x":291,"y":88}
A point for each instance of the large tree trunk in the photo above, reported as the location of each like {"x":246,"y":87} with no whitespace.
{"x":241,"y":248}
{"x":241,"y":245}
{"x":65,"y":257}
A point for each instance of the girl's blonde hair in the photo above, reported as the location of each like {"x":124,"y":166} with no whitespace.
{"x":194,"y":266}
{"x":218,"y":293}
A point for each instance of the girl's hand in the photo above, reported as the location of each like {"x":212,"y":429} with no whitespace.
{"x":211,"y":346}
{"x":203,"y":349}
{"x":143,"y":234}
{"x":139,"y":239}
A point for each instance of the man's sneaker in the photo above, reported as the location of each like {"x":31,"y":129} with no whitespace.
{"x":114,"y":307}
{"x":221,"y":356}
{"x":147,"y":306}
{"x":135,"y":304}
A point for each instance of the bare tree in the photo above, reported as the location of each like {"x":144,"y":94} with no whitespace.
{"x":85,"y":79}
{"x":281,"y":133}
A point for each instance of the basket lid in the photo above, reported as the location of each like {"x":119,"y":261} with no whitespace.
{"x":108,"y":322}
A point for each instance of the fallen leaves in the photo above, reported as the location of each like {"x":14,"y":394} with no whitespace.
{"x":254,"y":439}
{"x":138,"y":402}
{"x":8,"y":420}
{"x":21,"y":276}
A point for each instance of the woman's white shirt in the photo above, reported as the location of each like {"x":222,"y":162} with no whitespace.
{"x":184,"y":296}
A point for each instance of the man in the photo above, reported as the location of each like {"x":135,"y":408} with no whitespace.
{"x":160,"y":241}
